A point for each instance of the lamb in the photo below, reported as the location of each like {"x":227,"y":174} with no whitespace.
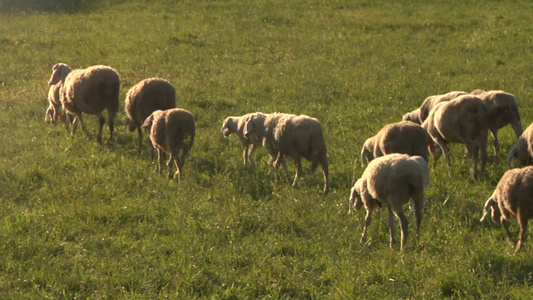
{"x":393,"y":179}
{"x":90,"y":91}
{"x":143,"y":99}
{"x":463,"y":120}
{"x":512,"y":198}
{"x":503,"y":110}
{"x":171,"y":130}
{"x":523,"y":148}
{"x":54,"y":113}
{"x":296,"y":137}
{"x":402,"y":137}
{"x":236,"y":125}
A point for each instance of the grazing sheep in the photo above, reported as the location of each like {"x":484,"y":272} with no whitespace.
{"x":393,"y":179}
{"x":89,"y":91}
{"x":54,"y":113}
{"x":503,"y":110}
{"x":172,"y":130}
{"x":143,"y":99}
{"x":463,"y":120}
{"x":296,"y":137}
{"x":513,"y":198}
{"x":402,"y":137}
{"x":523,"y":148}
{"x":236,"y":125}
{"x":431,"y":101}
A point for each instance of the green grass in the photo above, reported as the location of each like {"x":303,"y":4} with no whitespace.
{"x":81,"y":220}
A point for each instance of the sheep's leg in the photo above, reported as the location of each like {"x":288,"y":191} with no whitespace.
{"x":299,"y":171}
{"x":101,"y":121}
{"x":140,"y":134}
{"x":368,"y":218}
{"x":482,"y":144}
{"x":494,"y":133}
{"x":161,"y":160}
{"x":245,"y":155}
{"x":446,"y":152}
{"x":505,"y":225}
{"x":391,"y":227}
{"x":522,"y":221}
{"x":174,"y":158}
{"x":250,"y":152}
{"x":405,"y":227}
{"x":111,"y":124}
{"x":75,"y":122}
{"x":419,"y":201}
{"x":473,"y":153}
{"x":80,"y":119}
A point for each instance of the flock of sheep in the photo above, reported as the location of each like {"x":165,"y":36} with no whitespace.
{"x":397,"y":156}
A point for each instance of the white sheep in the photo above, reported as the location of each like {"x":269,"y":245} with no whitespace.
{"x":503,"y":110}
{"x":171,"y":130}
{"x":54,"y":111}
{"x":523,"y":148}
{"x":296,"y":137}
{"x":402,"y":137}
{"x":392,"y":179}
{"x":143,"y":99}
{"x":513,"y":198}
{"x":463,"y":120}
{"x":89,"y":91}
{"x":236,"y":125}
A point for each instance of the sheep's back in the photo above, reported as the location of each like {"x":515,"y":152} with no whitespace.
{"x":515,"y":189}
{"x":148,"y":96}
{"x":300,"y":135}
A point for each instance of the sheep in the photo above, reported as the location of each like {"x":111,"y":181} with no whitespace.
{"x":236,"y":125}
{"x":171,"y":130}
{"x":90,"y":91}
{"x":463,"y":120}
{"x":53,"y":113}
{"x":523,"y":148}
{"x":413,"y":116}
{"x":393,"y":179}
{"x":402,"y":137}
{"x":512,"y":198}
{"x":503,"y":110}
{"x":143,"y":99}
{"x":296,"y":137}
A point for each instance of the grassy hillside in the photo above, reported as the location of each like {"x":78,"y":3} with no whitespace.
{"x":82,"y":220}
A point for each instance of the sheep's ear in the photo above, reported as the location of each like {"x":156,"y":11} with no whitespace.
{"x":488,"y":205}
{"x":148,"y":122}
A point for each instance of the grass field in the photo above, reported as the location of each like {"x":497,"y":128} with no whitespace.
{"x":82,"y":220}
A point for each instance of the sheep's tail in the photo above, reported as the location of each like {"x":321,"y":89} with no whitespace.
{"x":488,"y":205}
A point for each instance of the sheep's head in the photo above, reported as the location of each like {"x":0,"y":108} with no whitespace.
{"x":355,"y":196}
{"x":148,"y":122}
{"x":225,"y":128}
{"x":412,"y":116}
{"x":491,"y":204}
{"x":59,"y":73}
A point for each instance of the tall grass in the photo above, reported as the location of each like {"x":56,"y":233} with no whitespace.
{"x":81,"y":220}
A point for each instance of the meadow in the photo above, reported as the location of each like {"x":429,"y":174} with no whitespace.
{"x":88,"y":221}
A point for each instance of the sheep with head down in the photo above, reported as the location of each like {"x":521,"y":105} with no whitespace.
{"x":143,"y":99}
{"x":394,"y":180}
{"x":463,"y":120}
{"x":171,"y":130}
{"x":89,"y":91}
{"x":236,"y":125}
{"x":503,"y":110}
{"x":522,"y":150}
{"x":512,"y":198}
{"x":402,"y":137}
{"x":296,"y":137}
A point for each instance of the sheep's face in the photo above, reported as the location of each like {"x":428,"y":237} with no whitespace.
{"x":225,"y":129}
{"x":60,"y":72}
{"x":492,"y":205}
{"x":355,"y":197}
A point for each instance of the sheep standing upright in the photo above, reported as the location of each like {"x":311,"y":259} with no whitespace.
{"x":236,"y":125}
{"x":144,"y":98}
{"x":90,"y":91}
{"x":463,"y":120}
{"x":503,"y":110}
{"x":402,"y":137}
{"x":172,"y":130}
{"x":513,"y":198}
{"x":523,"y":148}
{"x":54,"y":111}
{"x":296,"y":137}
{"x":392,"y":179}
